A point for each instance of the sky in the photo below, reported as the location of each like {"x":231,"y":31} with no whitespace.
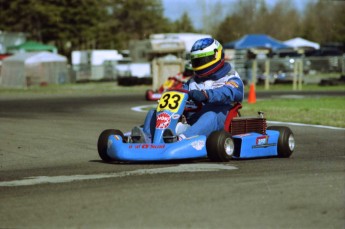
{"x":173,"y":9}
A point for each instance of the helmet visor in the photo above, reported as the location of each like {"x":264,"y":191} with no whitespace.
{"x":197,"y":62}
{"x":202,"y":44}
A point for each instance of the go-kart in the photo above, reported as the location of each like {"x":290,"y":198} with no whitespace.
{"x":241,"y":138}
{"x":173,"y":82}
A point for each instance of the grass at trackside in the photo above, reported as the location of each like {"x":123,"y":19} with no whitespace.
{"x":311,"y":87}
{"x":320,"y":111}
{"x":329,"y":111}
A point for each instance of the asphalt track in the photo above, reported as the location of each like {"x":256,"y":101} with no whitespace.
{"x":51,"y":175}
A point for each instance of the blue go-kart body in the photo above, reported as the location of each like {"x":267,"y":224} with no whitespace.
{"x":234,"y":142}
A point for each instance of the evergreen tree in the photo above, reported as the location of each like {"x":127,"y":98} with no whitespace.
{"x":67,"y":24}
{"x":137,"y":19}
{"x":183,"y":25}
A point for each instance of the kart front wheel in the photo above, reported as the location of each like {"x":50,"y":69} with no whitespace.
{"x":102,"y":144}
{"x":220,"y":146}
{"x":286,"y":140}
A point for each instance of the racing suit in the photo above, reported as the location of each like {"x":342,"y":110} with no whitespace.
{"x":223,"y":88}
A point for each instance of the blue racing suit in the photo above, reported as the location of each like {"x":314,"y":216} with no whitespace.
{"x":223,"y":88}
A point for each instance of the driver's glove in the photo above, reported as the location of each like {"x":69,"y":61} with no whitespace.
{"x":198,"y":96}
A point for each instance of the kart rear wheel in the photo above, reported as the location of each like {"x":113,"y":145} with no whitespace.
{"x":220,"y":146}
{"x":102,"y":144}
{"x":286,"y":140}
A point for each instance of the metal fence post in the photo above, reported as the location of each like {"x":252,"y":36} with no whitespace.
{"x":254,"y":70}
{"x":295,"y":72}
{"x":267,"y":73}
{"x":300,"y":74}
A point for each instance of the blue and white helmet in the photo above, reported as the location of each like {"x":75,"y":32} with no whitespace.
{"x":207,"y":56}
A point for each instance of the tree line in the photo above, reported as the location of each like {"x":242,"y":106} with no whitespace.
{"x":322,"y":21}
{"x":110,"y":24}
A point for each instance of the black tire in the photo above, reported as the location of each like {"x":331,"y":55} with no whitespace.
{"x":220,"y":146}
{"x":286,"y":140}
{"x":102,"y":144}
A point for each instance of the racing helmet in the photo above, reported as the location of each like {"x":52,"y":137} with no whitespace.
{"x":207,"y":56}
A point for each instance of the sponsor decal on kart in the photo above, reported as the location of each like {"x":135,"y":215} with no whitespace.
{"x":163,"y":121}
{"x":262,"y":142}
{"x":146,"y":146}
{"x":198,"y":145}
{"x":175,"y":116}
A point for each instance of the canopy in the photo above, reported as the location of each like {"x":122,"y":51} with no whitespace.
{"x":299,"y":42}
{"x":34,"y":68}
{"x":36,"y":57}
{"x":32,"y":46}
{"x":260,"y":41}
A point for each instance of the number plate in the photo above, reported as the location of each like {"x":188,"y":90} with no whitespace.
{"x":171,"y":101}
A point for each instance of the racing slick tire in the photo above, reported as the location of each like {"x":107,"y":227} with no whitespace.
{"x":102,"y":144}
{"x":220,"y":146}
{"x":286,"y":140}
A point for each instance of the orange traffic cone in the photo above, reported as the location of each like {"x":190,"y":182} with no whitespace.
{"x":252,"y":95}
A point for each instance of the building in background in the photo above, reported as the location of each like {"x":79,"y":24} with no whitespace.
{"x":95,"y":65}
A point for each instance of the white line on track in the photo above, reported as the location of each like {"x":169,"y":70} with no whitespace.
{"x":183,"y":168}
{"x":143,"y":108}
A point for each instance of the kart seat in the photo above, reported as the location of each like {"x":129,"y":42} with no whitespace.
{"x":234,"y":112}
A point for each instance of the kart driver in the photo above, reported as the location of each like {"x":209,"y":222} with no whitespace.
{"x":214,"y":84}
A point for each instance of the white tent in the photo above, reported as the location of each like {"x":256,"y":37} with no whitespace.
{"x":301,"y":43}
{"x":187,"y":38}
{"x":34,"y":68}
